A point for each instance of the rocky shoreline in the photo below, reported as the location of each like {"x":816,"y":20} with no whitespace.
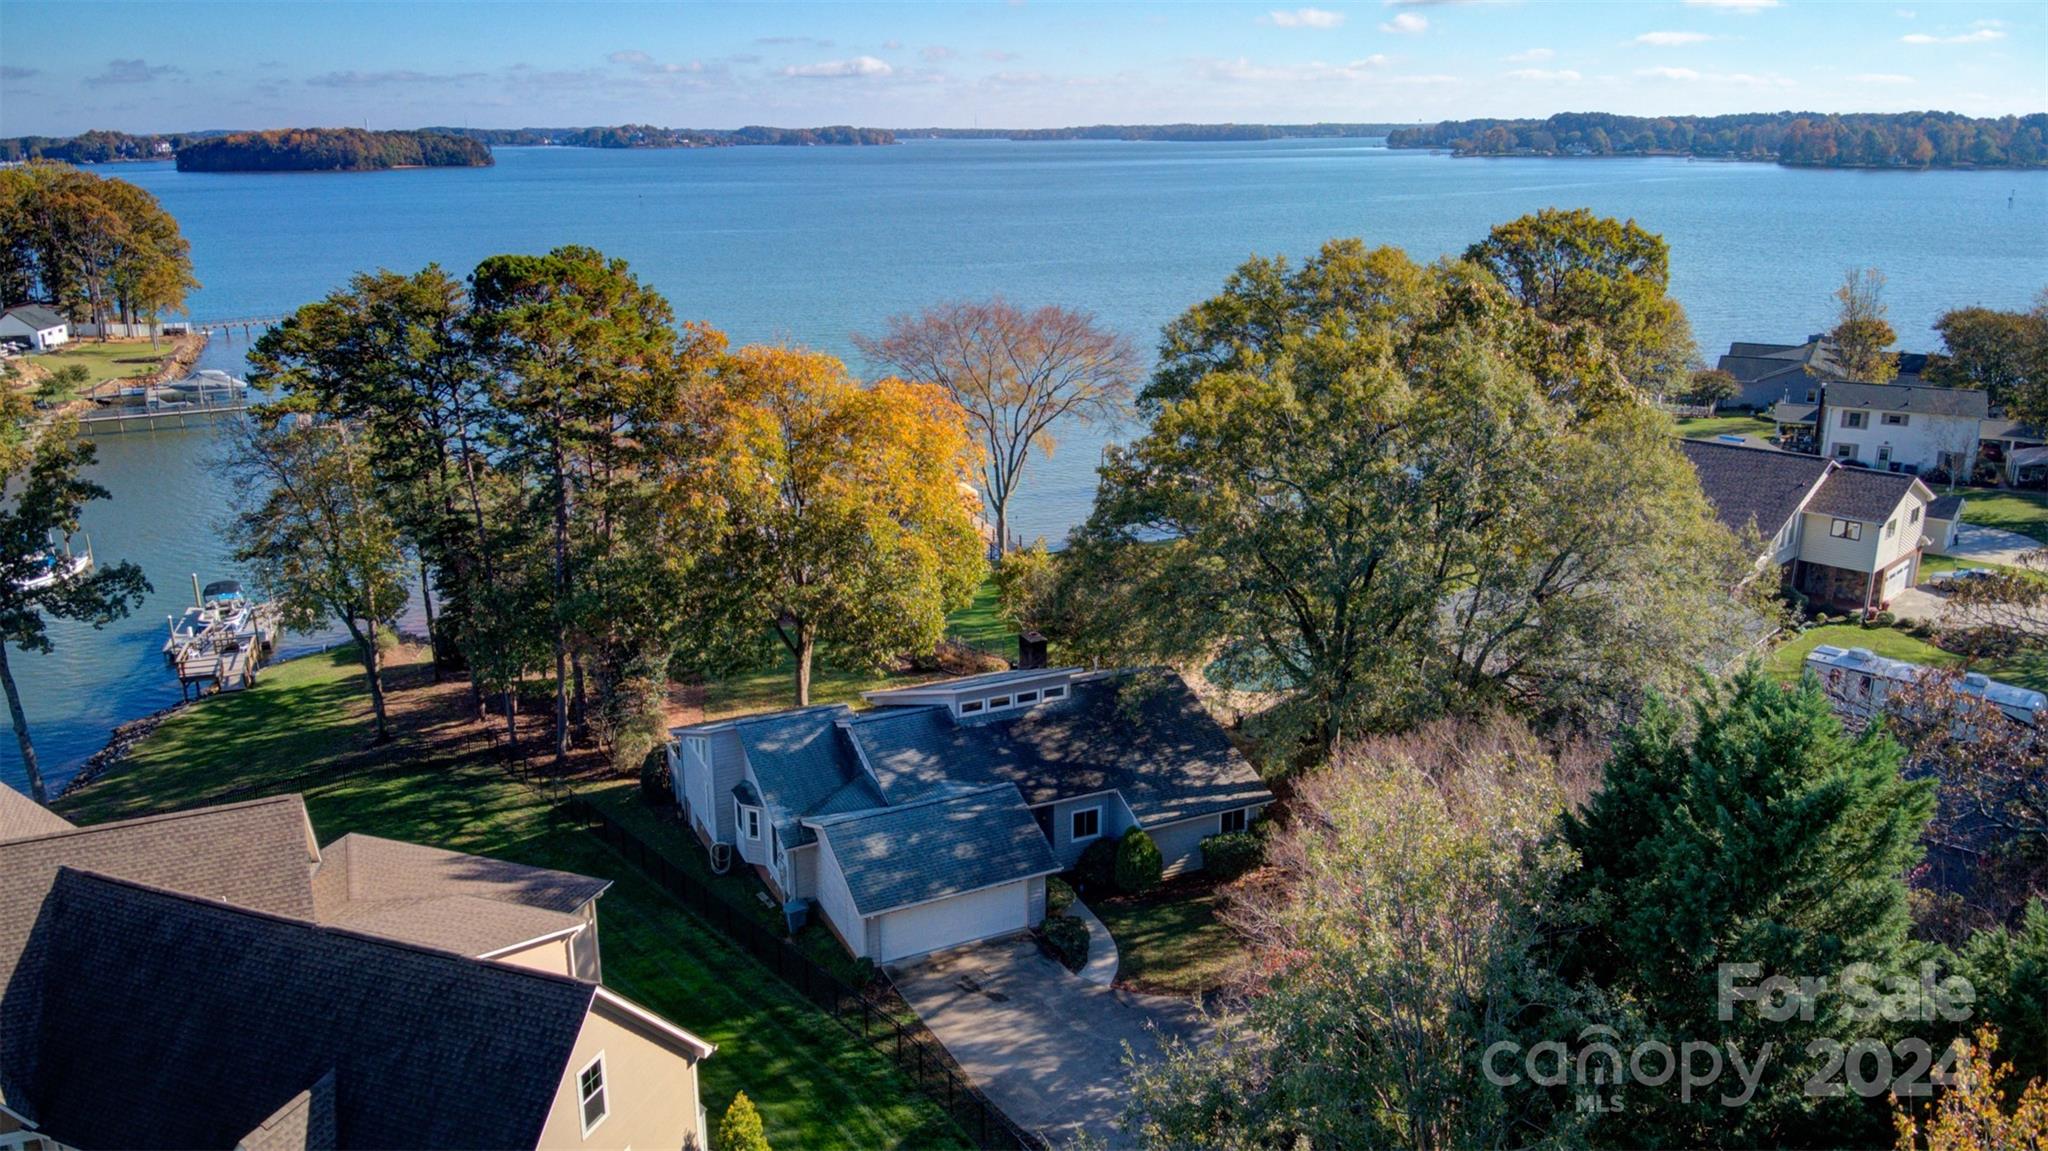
{"x":124,"y":737}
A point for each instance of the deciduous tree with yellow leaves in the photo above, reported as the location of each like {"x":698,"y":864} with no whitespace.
{"x":844,"y":527}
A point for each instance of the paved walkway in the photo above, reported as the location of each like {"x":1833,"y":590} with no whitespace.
{"x":1102,"y":955}
{"x":1979,"y":544}
{"x":1044,"y":1045}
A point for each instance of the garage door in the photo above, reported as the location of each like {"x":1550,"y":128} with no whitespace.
{"x":949,"y":922}
{"x":1895,"y":580}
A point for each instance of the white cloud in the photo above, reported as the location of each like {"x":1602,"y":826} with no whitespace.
{"x":892,"y":45}
{"x":1686,"y":74}
{"x":836,"y":69}
{"x":998,"y":56}
{"x":937,"y":52}
{"x":1531,"y":56}
{"x":1724,"y":79}
{"x":1243,"y":71}
{"x":1406,"y":23}
{"x":1306,"y":18}
{"x":1672,"y":39}
{"x":1982,"y":35}
{"x":1735,"y":5}
{"x":1905,"y":13}
{"x":1545,"y":76}
{"x":642,"y":62}
{"x":1884,"y":79}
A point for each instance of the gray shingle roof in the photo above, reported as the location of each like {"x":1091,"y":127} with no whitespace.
{"x":1860,"y":494}
{"x":464,"y":903}
{"x":1966,"y":402}
{"x":305,"y":1123}
{"x":1752,"y":486}
{"x":2001,"y":428}
{"x":947,"y":844}
{"x":257,"y":854}
{"x":1143,"y":734}
{"x":164,"y":1020}
{"x":39,"y":315}
{"x":22,"y":817}
{"x":1945,"y":508}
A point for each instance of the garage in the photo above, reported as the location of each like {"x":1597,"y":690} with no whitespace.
{"x":1895,"y":581}
{"x":953,"y":921}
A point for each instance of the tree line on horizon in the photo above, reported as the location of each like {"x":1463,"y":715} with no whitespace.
{"x":1798,"y":139}
{"x":330,"y":150}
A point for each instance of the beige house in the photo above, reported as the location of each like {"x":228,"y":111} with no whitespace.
{"x":215,"y":978}
{"x":1849,"y":538}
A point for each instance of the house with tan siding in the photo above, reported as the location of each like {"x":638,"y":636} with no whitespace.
{"x":216,"y":978}
{"x":1849,"y":538}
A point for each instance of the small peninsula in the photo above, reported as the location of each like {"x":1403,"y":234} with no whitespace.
{"x":1796,"y":139}
{"x":330,"y":150}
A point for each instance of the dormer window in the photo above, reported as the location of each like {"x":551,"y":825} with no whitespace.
{"x":1026,"y":697}
{"x":750,"y":821}
{"x":1056,"y":692}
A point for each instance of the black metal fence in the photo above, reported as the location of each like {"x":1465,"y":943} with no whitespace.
{"x":912,"y":1045}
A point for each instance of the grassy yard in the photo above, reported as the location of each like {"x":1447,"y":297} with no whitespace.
{"x":113,"y":360}
{"x":304,"y":728}
{"x":1788,"y":660}
{"x":2022,"y":512}
{"x":977,"y":624}
{"x":1707,"y":427}
{"x":1170,"y":941}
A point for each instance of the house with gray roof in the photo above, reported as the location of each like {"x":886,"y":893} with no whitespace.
{"x":215,"y":978}
{"x":933,"y":817}
{"x":39,"y":326}
{"x":1768,"y":374}
{"x":1849,"y":538}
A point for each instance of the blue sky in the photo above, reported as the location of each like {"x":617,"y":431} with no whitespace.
{"x":169,"y":66}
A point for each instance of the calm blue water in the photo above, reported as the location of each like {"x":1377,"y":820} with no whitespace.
{"x":812,"y":245}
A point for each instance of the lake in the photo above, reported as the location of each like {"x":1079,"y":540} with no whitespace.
{"x":810,"y":245}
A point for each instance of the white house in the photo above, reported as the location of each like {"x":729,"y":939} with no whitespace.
{"x":933,"y":818}
{"x":1906,"y":428}
{"x":41,"y":326}
{"x":1849,"y":538}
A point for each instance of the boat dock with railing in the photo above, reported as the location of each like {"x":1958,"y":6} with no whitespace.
{"x":221,"y":641}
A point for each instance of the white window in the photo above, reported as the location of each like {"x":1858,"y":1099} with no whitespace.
{"x":1059,"y":692}
{"x":1855,"y":419}
{"x":1845,"y":529}
{"x":1234,"y":820}
{"x":1913,"y":517}
{"x":997,"y":702}
{"x":969,"y":707}
{"x":750,"y":821}
{"x":1024,"y":697}
{"x":1087,"y":824}
{"x":1845,"y":451}
{"x":1891,"y":529}
{"x":1895,"y":419}
{"x":590,"y":1093}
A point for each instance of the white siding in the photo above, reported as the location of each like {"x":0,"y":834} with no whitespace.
{"x":835,"y":899}
{"x":1918,"y":442}
{"x":958,"y":919}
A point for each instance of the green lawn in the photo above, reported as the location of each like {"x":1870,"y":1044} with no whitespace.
{"x":1785,"y":663}
{"x":1707,"y":427}
{"x":775,"y":687}
{"x":1170,"y":941}
{"x":2022,"y":512}
{"x":115,"y":360}
{"x":303,"y":727}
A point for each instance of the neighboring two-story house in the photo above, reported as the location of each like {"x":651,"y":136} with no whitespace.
{"x":1767,"y":374}
{"x":933,"y":818}
{"x":214,"y":978}
{"x":1850,"y":538}
{"x":1915,"y":429}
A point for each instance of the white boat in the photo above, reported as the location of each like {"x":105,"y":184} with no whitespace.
{"x":209,"y":380}
{"x":53,"y":566}
{"x":219,"y":612}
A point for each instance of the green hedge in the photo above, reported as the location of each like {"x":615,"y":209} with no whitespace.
{"x":1138,"y":863}
{"x":1231,"y":854}
{"x":1059,"y":895}
{"x":1067,"y":936}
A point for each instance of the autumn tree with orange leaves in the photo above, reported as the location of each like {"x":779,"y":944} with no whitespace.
{"x":845,"y":532}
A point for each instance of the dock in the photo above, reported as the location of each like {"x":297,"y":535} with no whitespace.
{"x":202,"y":407}
{"x":224,"y":656}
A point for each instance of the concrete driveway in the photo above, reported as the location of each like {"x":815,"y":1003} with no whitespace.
{"x":1045,"y":1045}
{"x":1991,"y":545}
